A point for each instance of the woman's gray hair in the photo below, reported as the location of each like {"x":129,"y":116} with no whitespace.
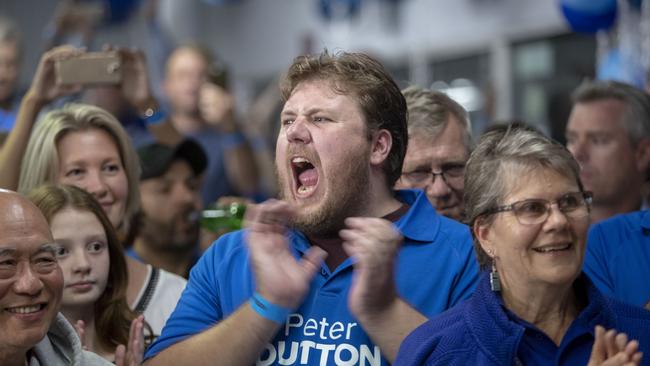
{"x":489,"y":170}
{"x":40,"y":164}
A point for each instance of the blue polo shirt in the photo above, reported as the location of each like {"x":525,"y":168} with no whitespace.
{"x":436,"y":269}
{"x":618,"y":257}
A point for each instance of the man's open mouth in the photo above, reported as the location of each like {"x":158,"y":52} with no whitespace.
{"x":305,"y":176}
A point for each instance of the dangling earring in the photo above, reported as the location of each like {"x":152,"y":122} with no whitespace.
{"x":495,"y":283}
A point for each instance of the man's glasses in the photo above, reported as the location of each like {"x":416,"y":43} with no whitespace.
{"x":534,"y":211}
{"x":452,"y":175}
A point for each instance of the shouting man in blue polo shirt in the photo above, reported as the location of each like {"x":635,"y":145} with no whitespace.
{"x":342,"y":268}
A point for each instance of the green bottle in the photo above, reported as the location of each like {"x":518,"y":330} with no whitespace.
{"x":221,"y":219}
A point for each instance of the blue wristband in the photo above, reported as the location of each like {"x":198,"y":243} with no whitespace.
{"x":268,"y":310}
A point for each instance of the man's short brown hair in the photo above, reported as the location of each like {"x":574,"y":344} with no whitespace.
{"x":366,"y":80}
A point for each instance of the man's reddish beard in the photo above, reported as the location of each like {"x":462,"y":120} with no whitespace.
{"x":346,"y":195}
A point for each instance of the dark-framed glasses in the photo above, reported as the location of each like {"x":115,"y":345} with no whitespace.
{"x":452,"y":174}
{"x":573,"y":205}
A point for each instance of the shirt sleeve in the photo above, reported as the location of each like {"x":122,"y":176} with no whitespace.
{"x":198,"y":307}
{"x":595,"y":262}
{"x":468,"y":275}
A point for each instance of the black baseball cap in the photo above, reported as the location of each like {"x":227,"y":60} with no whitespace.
{"x":156,"y":158}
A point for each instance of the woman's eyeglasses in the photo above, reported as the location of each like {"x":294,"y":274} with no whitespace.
{"x":534,"y":211}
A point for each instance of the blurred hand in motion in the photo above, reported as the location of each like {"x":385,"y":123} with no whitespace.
{"x":279,"y":276}
{"x":373,"y":243}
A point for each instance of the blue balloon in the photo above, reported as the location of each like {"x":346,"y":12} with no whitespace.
{"x":589,"y":16}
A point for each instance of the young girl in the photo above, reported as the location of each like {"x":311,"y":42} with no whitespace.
{"x":94,"y":272}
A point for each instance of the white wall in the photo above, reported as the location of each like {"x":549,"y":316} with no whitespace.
{"x":258,"y":38}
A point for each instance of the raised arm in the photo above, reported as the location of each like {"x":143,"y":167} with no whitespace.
{"x":43,"y":90}
{"x":373,"y":298}
{"x":280,"y":279}
{"x":135,"y":85}
{"x":217,"y":108}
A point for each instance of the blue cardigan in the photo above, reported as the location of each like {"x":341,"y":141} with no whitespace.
{"x":480,"y":331}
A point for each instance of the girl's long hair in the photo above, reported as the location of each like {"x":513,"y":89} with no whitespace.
{"x":112,"y":313}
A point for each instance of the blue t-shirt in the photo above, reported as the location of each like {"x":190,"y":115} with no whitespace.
{"x":436,"y":269}
{"x":481,"y":331}
{"x":618,"y":257}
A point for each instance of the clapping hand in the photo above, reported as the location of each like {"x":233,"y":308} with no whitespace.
{"x":133,"y":353}
{"x":373,"y":243}
{"x":130,"y":355}
{"x":614,"y":349}
{"x":279,"y":276}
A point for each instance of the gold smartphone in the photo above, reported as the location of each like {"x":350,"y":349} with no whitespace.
{"x":90,"y":68}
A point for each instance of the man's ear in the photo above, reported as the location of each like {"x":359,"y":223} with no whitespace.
{"x":482,"y":231}
{"x":381,"y":144}
{"x":642,"y":155}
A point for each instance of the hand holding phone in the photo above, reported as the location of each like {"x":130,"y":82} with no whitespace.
{"x":92,"y":68}
{"x":44,"y":87}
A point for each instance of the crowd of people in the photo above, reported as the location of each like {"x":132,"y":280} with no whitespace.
{"x":391,"y":235}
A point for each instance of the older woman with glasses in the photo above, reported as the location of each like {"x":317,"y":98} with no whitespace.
{"x":529,"y":215}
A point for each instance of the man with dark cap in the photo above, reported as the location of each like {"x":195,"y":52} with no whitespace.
{"x":170,"y":190}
